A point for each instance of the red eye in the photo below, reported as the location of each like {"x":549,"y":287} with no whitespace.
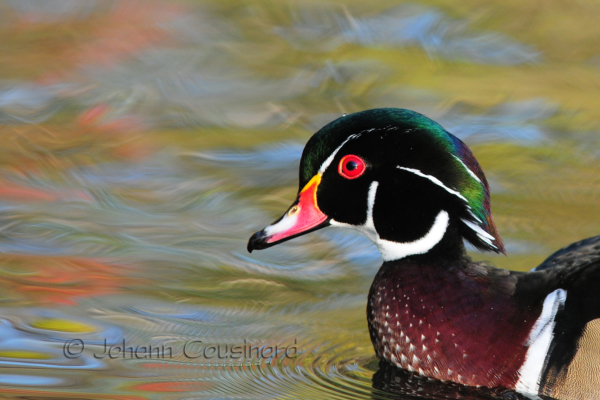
{"x":351,"y":167}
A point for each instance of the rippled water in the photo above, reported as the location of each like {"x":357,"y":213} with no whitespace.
{"x":144,"y":142}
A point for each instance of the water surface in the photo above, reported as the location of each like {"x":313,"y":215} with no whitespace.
{"x":144,"y":142}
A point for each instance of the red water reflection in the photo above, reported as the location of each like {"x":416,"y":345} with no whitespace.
{"x":61,"y":280}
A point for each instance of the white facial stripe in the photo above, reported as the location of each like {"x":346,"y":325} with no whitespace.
{"x":332,"y":156}
{"x":483,"y":235}
{"x":539,"y":341}
{"x":436,"y":181}
{"x":468,"y":169}
{"x":369,"y":225}
{"x":371,"y":201}
{"x":368,"y":228}
{"x":287,"y":222}
{"x":393,"y":250}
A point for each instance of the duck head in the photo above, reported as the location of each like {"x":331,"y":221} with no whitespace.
{"x":396,"y":176}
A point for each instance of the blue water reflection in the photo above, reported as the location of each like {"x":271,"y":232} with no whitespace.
{"x":328,"y":27}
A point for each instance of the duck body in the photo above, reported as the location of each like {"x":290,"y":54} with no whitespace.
{"x":434,"y":320}
{"x":418,"y":193}
{"x":478,"y":325}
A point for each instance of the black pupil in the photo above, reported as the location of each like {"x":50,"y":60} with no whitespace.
{"x":351,"y":165}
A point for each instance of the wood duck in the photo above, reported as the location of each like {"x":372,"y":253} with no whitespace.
{"x":418,"y":193}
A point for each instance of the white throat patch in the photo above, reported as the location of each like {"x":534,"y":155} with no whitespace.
{"x":394,"y":250}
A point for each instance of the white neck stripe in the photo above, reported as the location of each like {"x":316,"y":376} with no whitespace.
{"x":395,"y":250}
{"x":436,"y":181}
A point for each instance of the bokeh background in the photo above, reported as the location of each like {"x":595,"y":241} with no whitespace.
{"x":143,"y":142}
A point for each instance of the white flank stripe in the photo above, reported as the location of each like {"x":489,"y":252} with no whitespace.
{"x":393,"y":250}
{"x":468,"y":169}
{"x":539,"y":340}
{"x":436,"y":181}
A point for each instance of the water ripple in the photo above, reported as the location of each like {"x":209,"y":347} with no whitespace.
{"x":326,"y":28}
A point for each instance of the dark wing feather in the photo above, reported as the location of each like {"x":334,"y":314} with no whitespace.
{"x":578,"y":253}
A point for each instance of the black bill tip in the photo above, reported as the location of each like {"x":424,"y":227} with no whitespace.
{"x":258,"y":241}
